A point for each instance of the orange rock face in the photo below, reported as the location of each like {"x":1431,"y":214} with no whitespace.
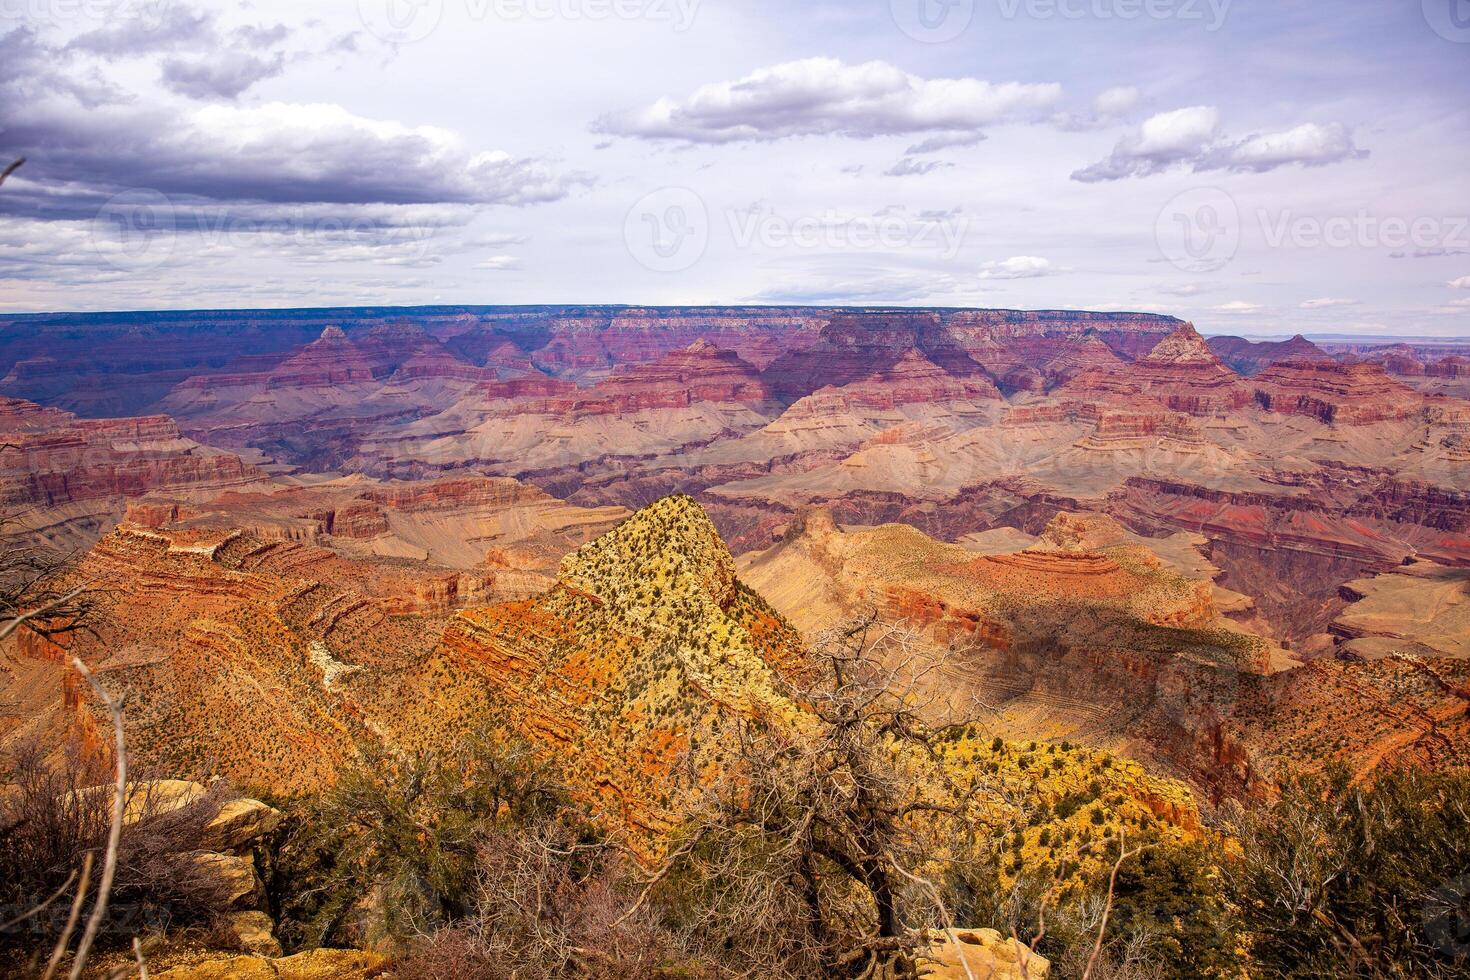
{"x":623,"y":670}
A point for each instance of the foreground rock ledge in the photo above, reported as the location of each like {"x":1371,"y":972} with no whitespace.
{"x":317,"y":964}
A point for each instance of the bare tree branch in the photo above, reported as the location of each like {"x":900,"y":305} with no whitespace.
{"x":119,"y":810}
{"x":59,"y":950}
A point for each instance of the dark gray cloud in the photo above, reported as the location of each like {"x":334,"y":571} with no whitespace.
{"x":87,"y":141}
{"x":223,"y":76}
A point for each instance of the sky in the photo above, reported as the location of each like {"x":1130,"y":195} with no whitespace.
{"x":1260,"y":167}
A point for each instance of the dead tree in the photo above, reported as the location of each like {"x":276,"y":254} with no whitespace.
{"x":815,"y":851}
{"x":39,"y":591}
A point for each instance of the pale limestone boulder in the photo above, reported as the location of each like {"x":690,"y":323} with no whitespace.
{"x":236,"y":875}
{"x":979,"y":954}
{"x":239,"y":823}
{"x":255,"y":932}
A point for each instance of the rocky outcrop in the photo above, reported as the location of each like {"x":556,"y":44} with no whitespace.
{"x":1180,"y":372}
{"x":65,"y":481}
{"x":1252,"y":357}
{"x":1454,"y":366}
{"x":316,"y":964}
{"x":912,"y":380}
{"x":222,"y":864}
{"x":968,"y":954}
{"x":1345,"y":394}
{"x":50,"y":458}
{"x":700,"y":372}
{"x":623,"y":668}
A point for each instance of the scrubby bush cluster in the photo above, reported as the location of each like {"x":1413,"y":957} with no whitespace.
{"x":56,"y":810}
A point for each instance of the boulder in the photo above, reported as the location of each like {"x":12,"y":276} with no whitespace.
{"x":979,"y":954}
{"x":255,"y":932}
{"x":240,"y":822}
{"x":235,"y":875}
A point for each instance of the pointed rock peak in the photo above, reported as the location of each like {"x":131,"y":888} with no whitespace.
{"x":671,"y":542}
{"x":1300,"y":346}
{"x":332,"y":333}
{"x":911,"y":361}
{"x":701,"y":346}
{"x":1183,"y":346}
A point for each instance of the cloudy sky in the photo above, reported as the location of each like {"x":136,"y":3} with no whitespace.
{"x":1258,"y":166}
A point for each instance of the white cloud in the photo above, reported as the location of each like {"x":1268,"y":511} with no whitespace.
{"x":1238,"y":306}
{"x":826,"y":96}
{"x":1461,"y":283}
{"x":499,"y":263}
{"x":1310,"y":144}
{"x":1326,"y":302}
{"x":1018,"y":267}
{"x":1191,"y":138}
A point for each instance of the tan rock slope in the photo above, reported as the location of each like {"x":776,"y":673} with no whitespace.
{"x":1092,"y":633}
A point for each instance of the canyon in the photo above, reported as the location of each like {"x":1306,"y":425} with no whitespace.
{"x":383,"y":523}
